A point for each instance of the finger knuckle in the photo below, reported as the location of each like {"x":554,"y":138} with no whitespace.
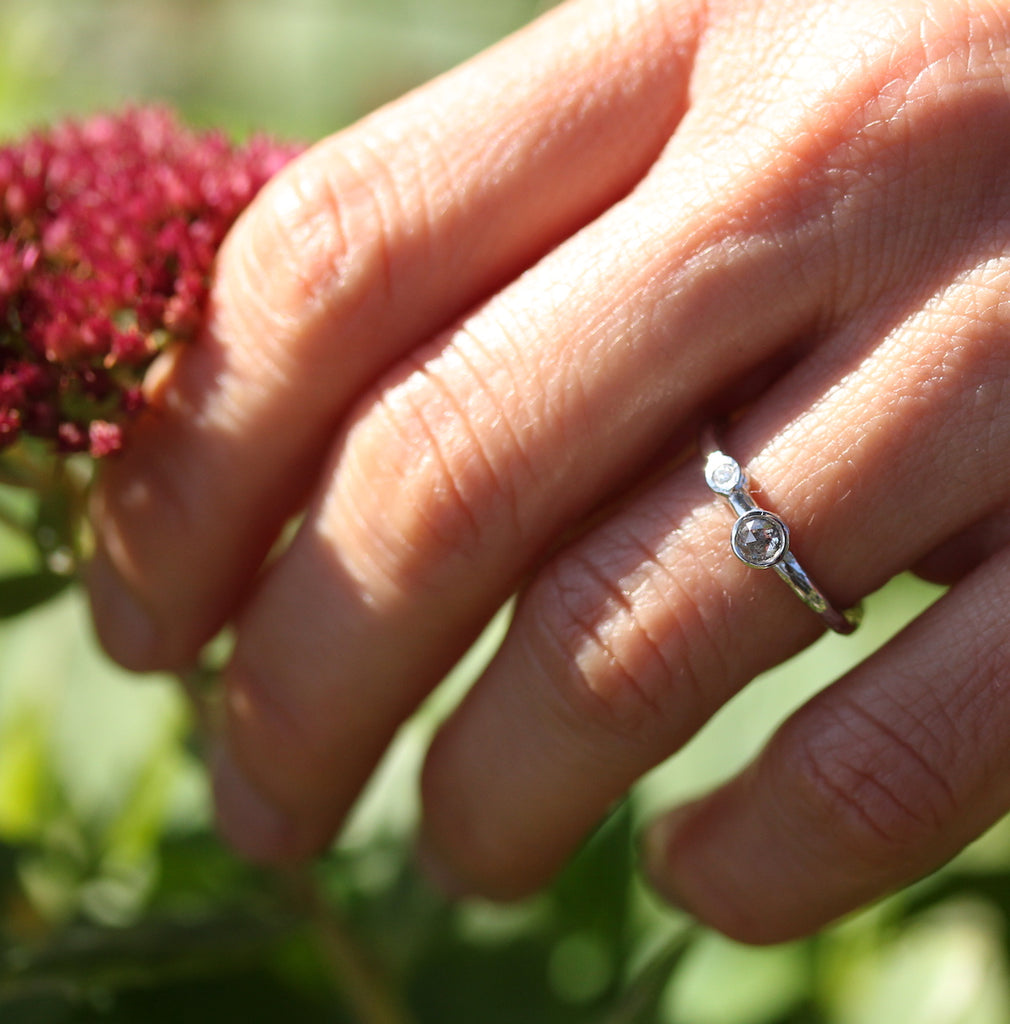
{"x":320,"y":240}
{"x":429,"y":478}
{"x":881,"y":790}
{"x":611,"y":638}
{"x":294,"y":239}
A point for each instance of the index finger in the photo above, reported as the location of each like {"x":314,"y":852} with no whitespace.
{"x":360,"y":250}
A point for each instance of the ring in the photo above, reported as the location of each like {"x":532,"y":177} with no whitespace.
{"x":761,"y":539}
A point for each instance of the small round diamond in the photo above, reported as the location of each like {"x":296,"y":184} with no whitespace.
{"x":760,"y":539}
{"x":722,"y":473}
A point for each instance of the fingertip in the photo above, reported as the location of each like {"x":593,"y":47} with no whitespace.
{"x":474,"y":878}
{"x":252,"y":825}
{"x":470,"y":843}
{"x":696,"y":861}
{"x":437,"y":869}
{"x":125,"y":629}
{"x":129,"y":631}
{"x":280,"y":792}
{"x":655,"y":842}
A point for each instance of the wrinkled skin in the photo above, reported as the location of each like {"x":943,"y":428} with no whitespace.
{"x":472,"y":333}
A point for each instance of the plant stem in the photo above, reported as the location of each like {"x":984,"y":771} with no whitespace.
{"x":638,"y":1003}
{"x":367,"y":992}
{"x":354,"y":975}
{"x":192,"y":684}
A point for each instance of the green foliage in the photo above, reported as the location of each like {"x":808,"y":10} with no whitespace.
{"x":119,"y":904}
{"x":20,"y":592}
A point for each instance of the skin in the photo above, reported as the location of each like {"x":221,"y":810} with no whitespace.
{"x":474,"y":336}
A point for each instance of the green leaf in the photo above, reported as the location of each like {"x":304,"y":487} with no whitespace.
{"x":23,"y":592}
{"x":83,"y":959}
{"x":944,"y":967}
{"x":767,"y":983}
{"x":24,"y":775}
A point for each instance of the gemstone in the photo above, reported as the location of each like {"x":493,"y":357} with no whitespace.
{"x":760,"y":539}
{"x":722,"y":473}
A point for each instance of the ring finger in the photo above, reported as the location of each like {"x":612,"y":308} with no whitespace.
{"x":632,"y":637}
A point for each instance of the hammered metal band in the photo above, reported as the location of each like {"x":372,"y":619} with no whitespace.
{"x":761,"y":539}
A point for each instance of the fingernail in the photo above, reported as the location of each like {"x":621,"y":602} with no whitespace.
{"x":433,"y":865}
{"x":246,"y":820}
{"x":125,"y":629}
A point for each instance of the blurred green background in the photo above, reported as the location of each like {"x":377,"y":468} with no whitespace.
{"x":117,"y":902}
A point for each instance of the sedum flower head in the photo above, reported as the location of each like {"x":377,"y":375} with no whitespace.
{"x":108,"y":231}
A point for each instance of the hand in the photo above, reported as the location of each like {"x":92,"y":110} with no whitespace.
{"x":471,"y":334}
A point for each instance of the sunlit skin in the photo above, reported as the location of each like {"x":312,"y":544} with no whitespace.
{"x":472,"y":336}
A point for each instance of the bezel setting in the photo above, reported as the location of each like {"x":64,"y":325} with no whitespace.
{"x":723,"y":474}
{"x":760,"y":539}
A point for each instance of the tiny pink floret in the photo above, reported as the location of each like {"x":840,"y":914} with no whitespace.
{"x":108,"y":231}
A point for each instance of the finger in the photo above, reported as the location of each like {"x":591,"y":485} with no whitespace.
{"x":632,"y":638}
{"x":876,"y":782}
{"x":465,"y":463}
{"x":961,"y":555}
{"x":360,"y":250}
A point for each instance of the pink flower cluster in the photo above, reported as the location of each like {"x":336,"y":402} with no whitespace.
{"x":108,"y":231}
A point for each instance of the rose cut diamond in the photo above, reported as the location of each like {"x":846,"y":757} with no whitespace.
{"x":722,"y":473}
{"x":760,"y":539}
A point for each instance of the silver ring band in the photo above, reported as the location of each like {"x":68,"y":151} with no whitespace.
{"x":761,"y":539}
